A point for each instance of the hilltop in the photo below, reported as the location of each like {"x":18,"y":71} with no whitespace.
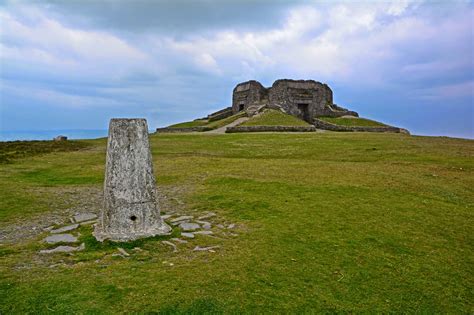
{"x":304,"y":222}
{"x":288,"y":105}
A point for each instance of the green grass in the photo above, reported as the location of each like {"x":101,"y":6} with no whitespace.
{"x":273,"y":117}
{"x":190,"y":124}
{"x":222,"y":122}
{"x":209,"y":125}
{"x":352,"y":122}
{"x":326,"y":223}
{"x":11,"y":150}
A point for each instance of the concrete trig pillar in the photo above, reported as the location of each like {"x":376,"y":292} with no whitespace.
{"x":130,"y":210}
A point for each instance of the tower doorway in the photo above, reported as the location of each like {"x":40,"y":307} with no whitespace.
{"x":304,"y":112}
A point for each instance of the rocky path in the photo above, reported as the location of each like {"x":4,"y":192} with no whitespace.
{"x":232,"y":124}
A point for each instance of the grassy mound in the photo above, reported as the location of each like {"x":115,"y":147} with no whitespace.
{"x":273,"y":117}
{"x":352,"y":122}
{"x":324,"y":223}
{"x":222,"y":122}
{"x":209,"y":125}
{"x":190,"y":124}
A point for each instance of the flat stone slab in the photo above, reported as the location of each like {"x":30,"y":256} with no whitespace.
{"x":175,"y":249}
{"x":204,"y":232}
{"x":182,"y":218}
{"x":60,"y":238}
{"x":205,"y":225}
{"x":65,"y":229}
{"x":188,"y":235}
{"x":189,"y":226}
{"x":88,"y":222}
{"x":63,"y":249}
{"x":178,"y":240}
{"x":207,"y":216}
{"x":81,"y":217}
{"x":123,"y":251}
{"x":203,"y":249}
{"x":178,"y":223}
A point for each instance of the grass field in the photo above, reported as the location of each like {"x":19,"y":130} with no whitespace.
{"x":352,"y":122}
{"x":325,"y":222}
{"x":273,"y":117}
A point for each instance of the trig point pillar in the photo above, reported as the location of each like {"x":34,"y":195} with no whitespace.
{"x":130,"y":210}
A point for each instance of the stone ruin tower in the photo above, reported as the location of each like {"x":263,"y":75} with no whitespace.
{"x":305,"y":99}
{"x":130,"y":209}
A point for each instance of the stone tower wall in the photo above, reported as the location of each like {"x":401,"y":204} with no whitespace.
{"x":247,"y":93}
{"x":305,"y":99}
{"x":290,"y":93}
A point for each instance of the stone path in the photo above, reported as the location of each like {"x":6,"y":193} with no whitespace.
{"x":59,"y":237}
{"x":65,"y":203}
{"x":65,"y":229}
{"x":63,"y":249}
{"x":66,"y":237}
{"x":232,"y":124}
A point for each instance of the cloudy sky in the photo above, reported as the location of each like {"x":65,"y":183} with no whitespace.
{"x":76,"y":64}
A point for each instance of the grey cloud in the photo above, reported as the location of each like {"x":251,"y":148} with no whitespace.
{"x":175,"y":17}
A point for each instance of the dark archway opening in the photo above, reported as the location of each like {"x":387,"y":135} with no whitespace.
{"x":241,"y":107}
{"x":304,"y":112}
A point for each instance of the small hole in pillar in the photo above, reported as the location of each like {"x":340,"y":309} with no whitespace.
{"x":133,"y":218}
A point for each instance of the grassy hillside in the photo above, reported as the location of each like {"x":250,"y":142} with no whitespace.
{"x":209,"y":125}
{"x":273,"y":117}
{"x":325,"y":222}
{"x":189,"y":124}
{"x":352,"y":122}
{"x":11,"y":150}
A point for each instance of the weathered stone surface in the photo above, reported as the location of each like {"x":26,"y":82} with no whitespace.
{"x":205,"y":225}
{"x":207,"y":216}
{"x":63,"y":249}
{"x":65,"y":229}
{"x":81,"y":217}
{"x":202,"y":249}
{"x":221,"y":114}
{"x":175,"y":249}
{"x":123,"y":251}
{"x":182,"y":218}
{"x":187,"y":235}
{"x":130,"y":208}
{"x":88,"y":222}
{"x":302,"y":98}
{"x":178,"y":240}
{"x":204,"y":232}
{"x":329,"y":126}
{"x":189,"y":226}
{"x":247,"y":93}
{"x":60,"y":238}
